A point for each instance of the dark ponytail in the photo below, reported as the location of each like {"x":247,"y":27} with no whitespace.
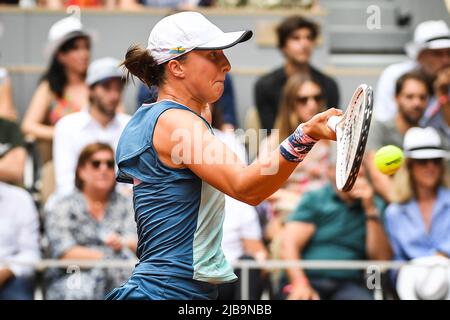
{"x":141,"y":64}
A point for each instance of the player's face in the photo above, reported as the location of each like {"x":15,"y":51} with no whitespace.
{"x":299,"y":46}
{"x":432,"y":61}
{"x":107,"y":96}
{"x":205,"y":72}
{"x":98,"y":173}
{"x":77,"y":58}
{"x":308,"y":101}
{"x":412,"y":101}
{"x":426,"y":173}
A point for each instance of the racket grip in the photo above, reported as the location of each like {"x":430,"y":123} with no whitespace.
{"x":333,"y":122}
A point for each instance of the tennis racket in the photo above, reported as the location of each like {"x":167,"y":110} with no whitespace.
{"x":352,"y":130}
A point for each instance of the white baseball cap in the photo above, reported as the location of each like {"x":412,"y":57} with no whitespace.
{"x":427,"y":278}
{"x":423,"y":143}
{"x":182,"y":32}
{"x":62,"y":31}
{"x":433,"y":34}
{"x":103,"y":69}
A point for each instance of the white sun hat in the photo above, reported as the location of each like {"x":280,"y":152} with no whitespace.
{"x":182,"y":32}
{"x":103,"y":69}
{"x":433,"y":34}
{"x":62,"y":31}
{"x":423,"y":143}
{"x":426,"y":278}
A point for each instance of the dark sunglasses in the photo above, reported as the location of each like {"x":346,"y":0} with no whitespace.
{"x":304,"y":99}
{"x":97,"y":163}
{"x":424,"y":162}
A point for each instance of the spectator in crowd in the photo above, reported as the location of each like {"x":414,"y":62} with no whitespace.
{"x":333,"y":225}
{"x":109,"y":4}
{"x":7,"y":109}
{"x":176,"y":4}
{"x":418,"y":222}
{"x":62,"y":90}
{"x":12,"y":152}
{"x":411,"y":96}
{"x":12,"y":145}
{"x":429,"y":53}
{"x":438,"y":115}
{"x":296,"y":40}
{"x":242,"y":236}
{"x":19,"y":241}
{"x":302,"y":99}
{"x":226,"y":103}
{"x":92,"y":223}
{"x":100,"y":122}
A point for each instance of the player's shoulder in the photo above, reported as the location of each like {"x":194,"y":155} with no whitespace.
{"x":179,"y":118}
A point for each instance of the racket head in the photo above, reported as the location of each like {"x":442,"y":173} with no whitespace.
{"x":351,"y":137}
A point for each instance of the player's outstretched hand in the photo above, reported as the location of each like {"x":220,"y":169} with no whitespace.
{"x":317,"y":127}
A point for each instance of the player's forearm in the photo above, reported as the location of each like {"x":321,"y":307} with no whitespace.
{"x":263,"y":177}
{"x":266,"y":175}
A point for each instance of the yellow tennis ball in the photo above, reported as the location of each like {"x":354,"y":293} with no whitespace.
{"x":388,"y":159}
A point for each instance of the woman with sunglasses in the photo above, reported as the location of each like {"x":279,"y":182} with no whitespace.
{"x":418,"y":222}
{"x":93,"y":223}
{"x":302,"y":99}
{"x":180,"y":170}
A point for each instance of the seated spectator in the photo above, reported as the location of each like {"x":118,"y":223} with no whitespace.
{"x":226,"y":104}
{"x":62,"y":90}
{"x":425,"y":278}
{"x":19,"y":241}
{"x":7,"y":109}
{"x":438,"y":115}
{"x":296,"y":40}
{"x":302,"y":99}
{"x":92,"y":223}
{"x":12,"y":152}
{"x":411,"y":96}
{"x":100,"y":122}
{"x":332,"y":225}
{"x":429,"y":53}
{"x":418,"y":222}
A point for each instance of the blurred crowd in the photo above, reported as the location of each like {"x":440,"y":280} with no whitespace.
{"x":174,"y":4}
{"x":76,"y":210}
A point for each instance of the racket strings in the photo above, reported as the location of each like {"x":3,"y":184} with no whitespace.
{"x":355,"y":129}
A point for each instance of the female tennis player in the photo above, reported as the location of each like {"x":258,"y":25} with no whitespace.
{"x":180,"y":171}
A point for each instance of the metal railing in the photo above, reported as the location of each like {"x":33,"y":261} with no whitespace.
{"x":244,"y":265}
